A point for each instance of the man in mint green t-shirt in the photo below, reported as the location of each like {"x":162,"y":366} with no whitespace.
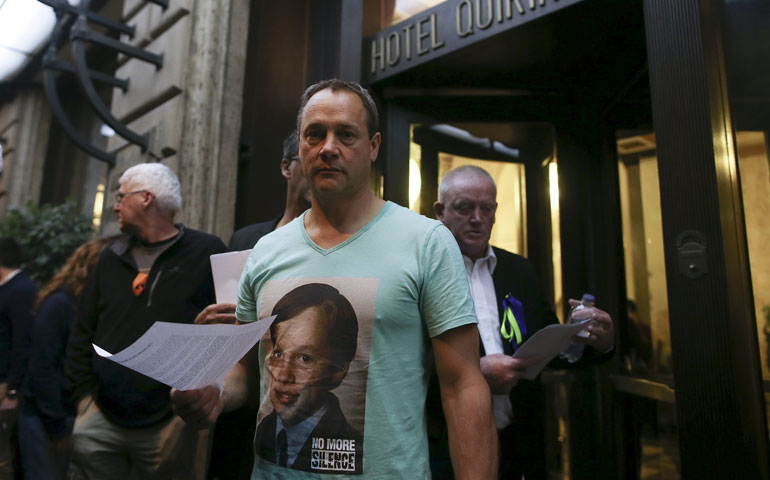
{"x":344,"y":401}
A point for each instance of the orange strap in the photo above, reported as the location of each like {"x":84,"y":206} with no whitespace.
{"x":139,"y":282}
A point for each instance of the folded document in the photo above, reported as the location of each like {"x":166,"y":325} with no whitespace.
{"x":187,"y":356}
{"x":546,"y":344}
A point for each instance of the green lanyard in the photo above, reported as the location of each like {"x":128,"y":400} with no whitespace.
{"x":510,"y":326}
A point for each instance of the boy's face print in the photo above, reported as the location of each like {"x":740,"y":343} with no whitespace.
{"x":301,"y":366}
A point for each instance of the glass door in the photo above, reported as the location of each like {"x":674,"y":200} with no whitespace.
{"x":645,"y":382}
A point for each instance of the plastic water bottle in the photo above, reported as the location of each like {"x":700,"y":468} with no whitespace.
{"x":574,"y":351}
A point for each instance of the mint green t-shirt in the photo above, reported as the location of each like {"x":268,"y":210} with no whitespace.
{"x":326,"y":412}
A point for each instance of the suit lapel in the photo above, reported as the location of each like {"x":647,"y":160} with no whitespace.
{"x":500,"y":279}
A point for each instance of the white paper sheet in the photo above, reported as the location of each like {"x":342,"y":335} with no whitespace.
{"x":187,"y":356}
{"x":546,"y":344}
{"x":226,"y":269}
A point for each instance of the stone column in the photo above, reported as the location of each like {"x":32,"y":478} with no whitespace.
{"x":23,"y":169}
{"x":208,"y":154}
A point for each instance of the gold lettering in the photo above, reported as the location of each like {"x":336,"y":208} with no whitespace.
{"x":509,"y":10}
{"x":483,"y":25}
{"x":464,"y":32}
{"x":376,"y":55}
{"x":422,"y":35}
{"x":499,"y":10}
{"x":408,"y":40}
{"x":393,"y":54}
{"x":531,"y":4}
{"x":434,"y":43}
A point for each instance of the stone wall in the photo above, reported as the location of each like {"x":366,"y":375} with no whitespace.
{"x":24,"y":123}
{"x":190,"y":108}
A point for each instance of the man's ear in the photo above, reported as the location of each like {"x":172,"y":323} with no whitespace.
{"x":438,"y":208}
{"x":147,"y":198}
{"x":285,"y":168}
{"x":374,"y":143}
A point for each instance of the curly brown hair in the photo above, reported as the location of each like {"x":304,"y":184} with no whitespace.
{"x":72,"y":276}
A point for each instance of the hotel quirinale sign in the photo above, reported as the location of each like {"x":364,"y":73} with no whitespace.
{"x":445,"y":28}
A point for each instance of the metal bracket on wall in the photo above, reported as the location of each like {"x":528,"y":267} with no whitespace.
{"x":162,"y":3}
{"x":75,"y":21}
{"x":63,"y":7}
{"x":51,"y":66}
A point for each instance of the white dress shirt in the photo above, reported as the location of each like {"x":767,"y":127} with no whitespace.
{"x":488,"y":315}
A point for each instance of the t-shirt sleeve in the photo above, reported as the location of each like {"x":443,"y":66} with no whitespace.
{"x":246,"y":307}
{"x":445,"y":300}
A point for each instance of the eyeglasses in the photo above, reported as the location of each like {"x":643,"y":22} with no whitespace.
{"x":120,"y":196}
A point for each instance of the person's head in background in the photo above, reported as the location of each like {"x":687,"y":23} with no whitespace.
{"x":71,"y":278}
{"x":297,"y":189}
{"x":467,"y":205}
{"x":148,"y":198}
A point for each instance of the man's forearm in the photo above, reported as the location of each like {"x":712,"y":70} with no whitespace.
{"x":472,"y":433}
{"x":467,"y":404}
{"x":77,"y":365}
{"x":235,"y":389}
{"x":200,"y":408}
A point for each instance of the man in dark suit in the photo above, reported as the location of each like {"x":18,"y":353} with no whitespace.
{"x":467,"y":205}
{"x":297,"y":199}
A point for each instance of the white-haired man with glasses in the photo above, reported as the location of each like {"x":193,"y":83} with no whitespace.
{"x":157,"y":270}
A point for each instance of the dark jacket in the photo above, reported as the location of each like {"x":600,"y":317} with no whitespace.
{"x":332,"y":426}
{"x":523,"y":442}
{"x":45,"y":376}
{"x":246,"y":237}
{"x":515,"y":275}
{"x":17,"y":300}
{"x":178,"y":287}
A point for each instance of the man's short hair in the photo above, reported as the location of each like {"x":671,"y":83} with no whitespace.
{"x":290,"y":147}
{"x":10,"y":253}
{"x":460,"y":172}
{"x":335,"y":84}
{"x":160,"y":181}
{"x":342,"y":335}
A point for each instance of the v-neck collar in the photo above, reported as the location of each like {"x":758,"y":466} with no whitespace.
{"x":363,"y":230}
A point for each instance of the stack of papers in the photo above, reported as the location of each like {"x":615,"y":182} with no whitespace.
{"x":546,"y":344}
{"x":189,"y":357}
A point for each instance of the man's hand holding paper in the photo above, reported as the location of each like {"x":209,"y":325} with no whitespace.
{"x":503,"y":372}
{"x":545,"y":344}
{"x":199,"y":408}
{"x":217,"y":313}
